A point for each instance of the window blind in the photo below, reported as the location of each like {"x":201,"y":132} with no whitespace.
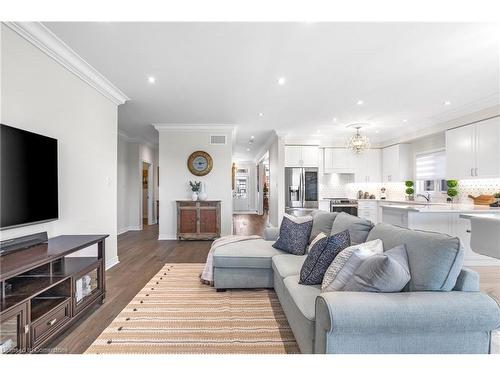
{"x":430,"y":166}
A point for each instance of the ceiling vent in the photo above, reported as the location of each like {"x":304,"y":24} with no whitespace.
{"x":218,"y":139}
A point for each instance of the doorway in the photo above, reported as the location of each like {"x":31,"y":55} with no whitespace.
{"x":147,"y":212}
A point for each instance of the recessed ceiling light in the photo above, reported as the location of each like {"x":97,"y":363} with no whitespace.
{"x":281,"y":81}
{"x":252,"y":137}
{"x":405,"y":120}
{"x":335,"y":119}
{"x":318,"y":131}
{"x":377,"y":131}
{"x":360,"y":102}
{"x":447,"y":102}
{"x":261,"y":114}
{"x":248,"y":149}
{"x":151,"y":79}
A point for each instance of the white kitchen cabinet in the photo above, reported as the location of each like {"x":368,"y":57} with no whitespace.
{"x":368,"y":210}
{"x":338,"y":160}
{"x":324,"y":205}
{"x":397,"y":163}
{"x":368,"y":166}
{"x":301,"y":156}
{"x":310,"y":156}
{"x":473,"y":151}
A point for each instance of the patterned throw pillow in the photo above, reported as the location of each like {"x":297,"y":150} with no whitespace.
{"x":321,"y":256}
{"x":345,"y":264}
{"x":316,"y":239}
{"x":294,"y":234}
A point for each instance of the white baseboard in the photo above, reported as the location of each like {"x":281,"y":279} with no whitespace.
{"x":245,"y":213}
{"x":112,"y":262}
{"x":127,"y":229}
{"x":166,"y":237}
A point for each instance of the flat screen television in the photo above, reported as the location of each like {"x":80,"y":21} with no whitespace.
{"x":28,"y":187}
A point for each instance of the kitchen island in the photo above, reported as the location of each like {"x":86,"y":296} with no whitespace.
{"x":444,"y":218}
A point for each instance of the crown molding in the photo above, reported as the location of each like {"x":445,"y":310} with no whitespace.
{"x":129,"y":139}
{"x":43,"y":38}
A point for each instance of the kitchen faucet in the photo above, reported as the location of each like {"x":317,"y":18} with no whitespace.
{"x":427,"y":196}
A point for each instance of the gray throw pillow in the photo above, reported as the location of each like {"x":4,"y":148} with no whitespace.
{"x":435,"y":258}
{"x":322,"y":223}
{"x":321,"y":256}
{"x":358,"y":228}
{"x":386,"y":273}
{"x":294,"y":235}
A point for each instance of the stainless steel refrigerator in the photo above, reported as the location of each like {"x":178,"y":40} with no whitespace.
{"x":301,"y":190}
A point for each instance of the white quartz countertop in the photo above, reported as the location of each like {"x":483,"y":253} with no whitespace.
{"x":483,"y":216}
{"x":443,"y":208}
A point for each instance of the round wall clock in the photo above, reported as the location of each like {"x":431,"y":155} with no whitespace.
{"x":200,"y":163}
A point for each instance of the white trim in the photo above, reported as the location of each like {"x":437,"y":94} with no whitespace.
{"x":129,"y":228}
{"x":43,"y":38}
{"x":166,"y":238}
{"x":112,"y":262}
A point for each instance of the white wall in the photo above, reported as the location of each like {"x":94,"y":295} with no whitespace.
{"x":175,"y":148}
{"x":40,"y":95}
{"x":131,"y":154}
{"x":276,"y":180}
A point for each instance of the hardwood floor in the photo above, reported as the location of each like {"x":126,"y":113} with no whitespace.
{"x":142,"y":256}
{"x":246,"y":224}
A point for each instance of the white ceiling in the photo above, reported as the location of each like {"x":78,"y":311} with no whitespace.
{"x":226,"y":73}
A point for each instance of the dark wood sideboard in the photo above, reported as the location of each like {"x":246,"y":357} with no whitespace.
{"x":198,"y":220}
{"x":44,"y":291}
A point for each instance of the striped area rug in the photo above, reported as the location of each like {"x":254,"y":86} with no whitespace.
{"x":176,"y":314}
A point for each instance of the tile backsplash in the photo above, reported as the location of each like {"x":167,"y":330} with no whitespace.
{"x":477,"y":187}
{"x":342,"y":185}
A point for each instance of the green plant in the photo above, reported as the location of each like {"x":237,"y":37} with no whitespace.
{"x":497,"y":195}
{"x":195,"y":186}
{"x":452,"y":183}
{"x":410,"y":191}
{"x":409,"y":183}
{"x":452,"y":192}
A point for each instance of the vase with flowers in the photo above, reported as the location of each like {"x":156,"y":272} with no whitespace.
{"x":195,"y":188}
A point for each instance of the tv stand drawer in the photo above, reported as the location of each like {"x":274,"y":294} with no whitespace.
{"x":50,"y":323}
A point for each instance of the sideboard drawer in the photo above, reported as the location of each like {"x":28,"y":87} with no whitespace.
{"x":48,"y":324}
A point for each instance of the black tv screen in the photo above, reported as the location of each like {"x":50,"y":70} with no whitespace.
{"x":28,"y":185}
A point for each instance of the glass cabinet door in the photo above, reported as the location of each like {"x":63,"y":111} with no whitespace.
{"x":86,"y":286}
{"x":12,"y":330}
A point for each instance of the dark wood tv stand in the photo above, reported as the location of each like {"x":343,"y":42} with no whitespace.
{"x":43,"y":290}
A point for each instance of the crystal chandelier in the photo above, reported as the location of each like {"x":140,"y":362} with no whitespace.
{"x":358,"y":143}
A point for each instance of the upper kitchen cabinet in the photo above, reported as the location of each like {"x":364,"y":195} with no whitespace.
{"x":301,"y":156}
{"x":397,"y":163}
{"x":338,"y":160}
{"x":368,"y":166}
{"x":473,"y":151}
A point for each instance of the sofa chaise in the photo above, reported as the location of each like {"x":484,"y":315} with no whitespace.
{"x":440,"y":310}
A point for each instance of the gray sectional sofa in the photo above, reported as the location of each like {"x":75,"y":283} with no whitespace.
{"x":440,"y":311}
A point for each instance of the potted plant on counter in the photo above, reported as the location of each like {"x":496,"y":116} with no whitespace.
{"x":452,"y":189}
{"x":409,"y":190}
{"x":497,"y":197}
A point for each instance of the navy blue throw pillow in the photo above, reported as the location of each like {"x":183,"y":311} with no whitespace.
{"x":321,"y":256}
{"x":294,"y":235}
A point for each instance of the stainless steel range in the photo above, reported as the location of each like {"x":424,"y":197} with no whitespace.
{"x":347,"y":205}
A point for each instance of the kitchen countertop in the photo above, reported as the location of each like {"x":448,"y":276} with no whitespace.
{"x":484,"y":216}
{"x":444,"y":208}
